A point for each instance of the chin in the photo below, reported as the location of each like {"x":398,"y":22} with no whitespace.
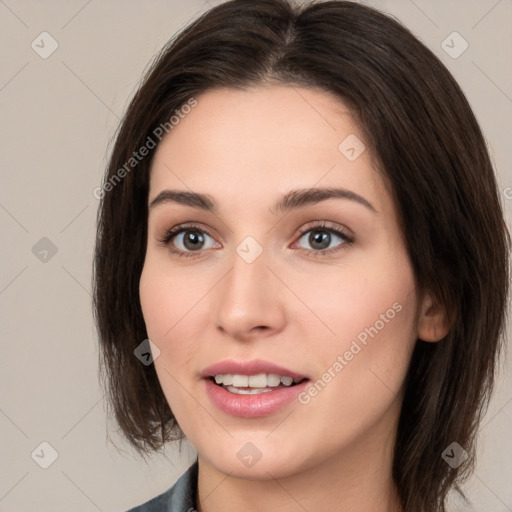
{"x":255,"y":458}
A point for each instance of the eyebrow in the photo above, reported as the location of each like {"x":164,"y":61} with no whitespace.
{"x":294,"y":199}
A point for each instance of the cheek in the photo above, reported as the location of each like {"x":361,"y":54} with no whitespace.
{"x":347,"y":300}
{"x":170,"y":305}
{"x":176,"y":313}
{"x":156,"y":303}
{"x":170,"y":298}
{"x":361,"y":367}
{"x":365,"y":325}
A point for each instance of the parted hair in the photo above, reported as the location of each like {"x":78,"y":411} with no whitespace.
{"x":430,"y":150}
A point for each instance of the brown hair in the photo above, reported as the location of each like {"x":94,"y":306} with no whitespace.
{"x":429,"y":147}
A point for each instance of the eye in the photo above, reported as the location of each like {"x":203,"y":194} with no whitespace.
{"x":190,"y":240}
{"x":320,"y":237}
{"x":186,"y":240}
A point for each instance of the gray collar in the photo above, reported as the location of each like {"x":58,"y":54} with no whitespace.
{"x":181,"y":497}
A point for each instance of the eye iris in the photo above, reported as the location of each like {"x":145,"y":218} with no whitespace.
{"x":193,"y":240}
{"x":193,"y":237}
{"x":322,"y":238}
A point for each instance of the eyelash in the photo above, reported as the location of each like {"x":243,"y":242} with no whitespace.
{"x":319,"y":226}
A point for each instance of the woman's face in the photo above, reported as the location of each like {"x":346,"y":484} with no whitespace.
{"x":319,"y":289}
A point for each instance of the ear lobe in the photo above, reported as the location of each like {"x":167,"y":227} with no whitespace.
{"x":433,"y":324}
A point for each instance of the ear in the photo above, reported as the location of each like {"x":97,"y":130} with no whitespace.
{"x":433,"y":324}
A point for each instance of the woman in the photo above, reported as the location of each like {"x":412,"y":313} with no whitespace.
{"x":301,"y":264}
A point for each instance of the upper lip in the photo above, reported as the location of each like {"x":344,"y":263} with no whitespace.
{"x":252,"y":367}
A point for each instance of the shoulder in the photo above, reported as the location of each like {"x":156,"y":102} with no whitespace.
{"x":181,"y":497}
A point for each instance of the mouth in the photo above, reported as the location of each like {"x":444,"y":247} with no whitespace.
{"x":252,"y":389}
{"x":254,"y":384}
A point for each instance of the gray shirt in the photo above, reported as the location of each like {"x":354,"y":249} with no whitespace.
{"x":181,"y":497}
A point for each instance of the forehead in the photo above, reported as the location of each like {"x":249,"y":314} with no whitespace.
{"x":261,"y":142}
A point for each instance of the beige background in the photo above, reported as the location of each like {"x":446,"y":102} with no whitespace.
{"x":58,"y":115}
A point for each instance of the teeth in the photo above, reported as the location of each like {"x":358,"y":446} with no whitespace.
{"x":247,"y":391}
{"x":273,"y":380}
{"x":240,"y":381}
{"x":287,"y":381}
{"x":259,"y":381}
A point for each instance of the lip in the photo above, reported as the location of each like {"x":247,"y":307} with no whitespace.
{"x":251,"y":406}
{"x":252,"y":367}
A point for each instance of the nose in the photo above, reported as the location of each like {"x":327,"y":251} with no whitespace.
{"x":249,"y":302}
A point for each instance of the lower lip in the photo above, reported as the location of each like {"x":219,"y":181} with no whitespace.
{"x":252,"y":406}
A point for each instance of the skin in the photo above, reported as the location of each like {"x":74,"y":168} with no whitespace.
{"x":247,"y":149}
